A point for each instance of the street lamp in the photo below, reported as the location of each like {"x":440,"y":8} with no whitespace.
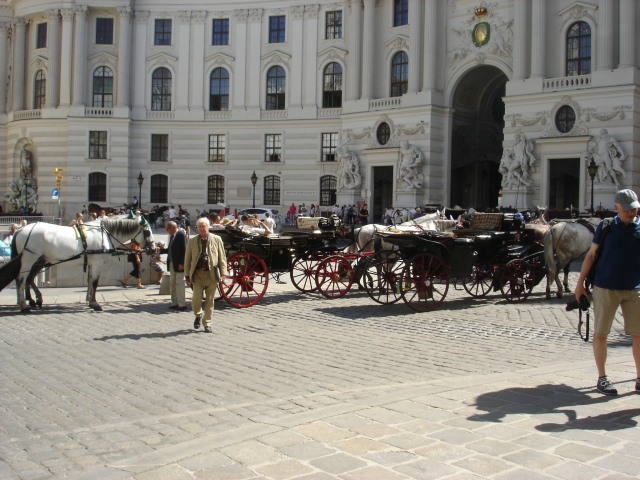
{"x":254,"y":180}
{"x":592,"y":168}
{"x":140,"y":181}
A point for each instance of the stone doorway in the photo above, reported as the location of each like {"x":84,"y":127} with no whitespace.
{"x":382,"y":192}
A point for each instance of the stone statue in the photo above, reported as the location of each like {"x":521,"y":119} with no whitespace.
{"x":25,"y":164}
{"x":518,"y":163}
{"x":410,"y":166}
{"x":14,"y":197}
{"x":23,"y":193}
{"x":350,"y":168}
{"x":609,"y":157}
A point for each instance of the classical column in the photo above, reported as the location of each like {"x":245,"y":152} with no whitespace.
{"x":368,"y":31}
{"x":239,"y":98}
{"x":520,"y":39}
{"x":124,"y":57}
{"x":4,"y":60}
{"x":65,"y":56}
{"x":538,"y":38}
{"x":354,"y":59}
{"x":197,"y":65}
{"x":53,"y":73}
{"x":627,"y":34}
{"x":311,"y":55}
{"x":140,"y":59}
{"x":415,"y":42}
{"x":19,"y":54}
{"x":294,"y":86}
{"x":80,"y":56}
{"x":181,"y":86}
{"x":430,"y":46}
{"x":605,"y":33}
{"x":254,"y":72}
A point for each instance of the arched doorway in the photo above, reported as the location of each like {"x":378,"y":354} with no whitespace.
{"x":477,"y":135}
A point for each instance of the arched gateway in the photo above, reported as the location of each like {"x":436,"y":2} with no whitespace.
{"x":477,"y":136}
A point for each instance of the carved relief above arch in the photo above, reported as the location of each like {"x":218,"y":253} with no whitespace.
{"x":39,"y":63}
{"x":162,"y":60}
{"x":397,"y":44}
{"x":102,"y":60}
{"x":331,"y":54}
{"x":276,"y":58}
{"x":219,"y":60}
{"x":576,"y":12}
{"x":578,"y":129}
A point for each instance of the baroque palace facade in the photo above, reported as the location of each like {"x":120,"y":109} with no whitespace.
{"x":389,"y":102}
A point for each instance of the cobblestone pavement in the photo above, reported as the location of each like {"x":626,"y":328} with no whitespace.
{"x":300,"y":387}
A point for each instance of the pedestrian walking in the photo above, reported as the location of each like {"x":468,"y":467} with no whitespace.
{"x":135,"y":259}
{"x":616,"y":283}
{"x":205,"y":263}
{"x":175,"y":262}
{"x":363,"y":215}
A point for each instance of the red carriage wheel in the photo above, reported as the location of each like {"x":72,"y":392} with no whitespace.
{"x":334,"y":276}
{"x":481,"y":280}
{"x":425,"y":282}
{"x":303,"y":272}
{"x":517,"y":280}
{"x":383,"y":277}
{"x":247,"y":280}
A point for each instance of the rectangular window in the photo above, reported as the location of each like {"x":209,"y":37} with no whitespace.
{"x":217,"y":147}
{"x":98,"y":145}
{"x":277,"y":29}
{"x":400,"y":13}
{"x":272,"y":190}
{"x":333,"y":25}
{"x":97,"y":187}
{"x":329,"y":144}
{"x":162,"y":32}
{"x":41,"y":35}
{"x":273,"y":148}
{"x":159,"y":148}
{"x":220,"y":31}
{"x":104,"y":31}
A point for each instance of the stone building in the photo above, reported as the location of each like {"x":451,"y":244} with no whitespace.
{"x":402,"y":102}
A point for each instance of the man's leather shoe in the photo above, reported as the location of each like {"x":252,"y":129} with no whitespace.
{"x":208,"y":329}
{"x":182,"y":309}
{"x":196,"y":323}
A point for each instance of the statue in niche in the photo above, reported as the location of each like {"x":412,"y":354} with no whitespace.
{"x":410,"y":166}
{"x":23,"y":193}
{"x":25,"y":163}
{"x":350,"y":173}
{"x":609,"y":156}
{"x":517,"y":163}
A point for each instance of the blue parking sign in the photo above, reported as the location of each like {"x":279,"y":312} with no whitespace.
{"x":55,"y":193}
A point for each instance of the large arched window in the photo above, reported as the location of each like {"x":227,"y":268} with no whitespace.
{"x":219,"y":90}
{"x":39,"y":90}
{"x":272,"y":190}
{"x":97,"y":187}
{"x":579,"y":49}
{"x":159,"y":189}
{"x":103,"y":87}
{"x":328,"y":187}
{"x":399,"y":74}
{"x":161,"y":90}
{"x":332,"y":86}
{"x":276,"y":88}
{"x":215,"y":189}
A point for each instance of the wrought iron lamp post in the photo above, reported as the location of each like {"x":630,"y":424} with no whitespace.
{"x":140,"y":182}
{"x":592,"y":168}
{"x":254,"y":180}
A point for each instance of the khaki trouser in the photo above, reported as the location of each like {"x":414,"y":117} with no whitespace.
{"x":203,"y":286}
{"x":176,"y":287}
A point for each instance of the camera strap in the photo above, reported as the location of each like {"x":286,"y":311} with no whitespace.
{"x":584,"y":337}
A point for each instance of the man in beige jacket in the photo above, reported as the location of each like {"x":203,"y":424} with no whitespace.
{"x":204,"y":264}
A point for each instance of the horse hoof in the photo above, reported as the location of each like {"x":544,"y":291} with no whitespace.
{"x":32,"y":303}
{"x":25,"y":310}
{"x":97,"y":308}
{"x":559,"y":294}
{"x":39,"y":303}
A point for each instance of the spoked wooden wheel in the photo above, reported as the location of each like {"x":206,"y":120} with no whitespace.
{"x":383,"y":277}
{"x":481,"y":280}
{"x":334,"y":276}
{"x":303,"y":272}
{"x":517,"y":280}
{"x":247,"y":281}
{"x":425,"y":282}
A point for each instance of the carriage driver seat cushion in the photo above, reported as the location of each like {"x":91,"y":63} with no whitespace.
{"x":486,"y":221}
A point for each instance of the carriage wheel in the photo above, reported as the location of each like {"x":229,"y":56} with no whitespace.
{"x":247,"y":280}
{"x":425,"y":282}
{"x":382,"y":277}
{"x":517,"y":280}
{"x":481,"y":280}
{"x":334,"y":276}
{"x":303,"y":272}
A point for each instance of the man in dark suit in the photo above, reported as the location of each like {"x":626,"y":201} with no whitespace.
{"x":175,"y":264}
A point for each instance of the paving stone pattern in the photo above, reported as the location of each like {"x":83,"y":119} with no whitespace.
{"x":301,"y":387}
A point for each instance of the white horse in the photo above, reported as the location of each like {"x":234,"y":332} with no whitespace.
{"x":41,"y":245}
{"x":565,"y":242}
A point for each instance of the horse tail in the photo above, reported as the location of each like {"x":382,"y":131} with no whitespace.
{"x":549,"y":257}
{"x":10,"y":270}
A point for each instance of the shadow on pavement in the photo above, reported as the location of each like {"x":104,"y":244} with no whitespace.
{"x":549,"y":398}
{"x":140,"y":336}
